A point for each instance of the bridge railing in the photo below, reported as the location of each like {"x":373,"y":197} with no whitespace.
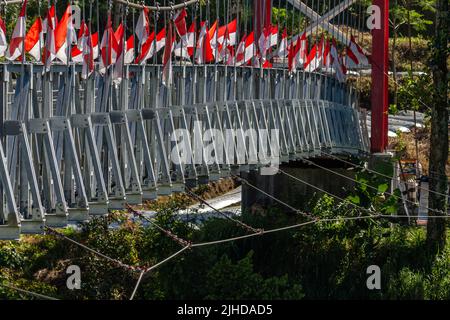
{"x":74,"y":148}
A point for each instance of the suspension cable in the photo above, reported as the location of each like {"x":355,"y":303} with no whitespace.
{"x":365,"y":184}
{"x":30,"y":293}
{"x":169,"y":234}
{"x":375,"y":172}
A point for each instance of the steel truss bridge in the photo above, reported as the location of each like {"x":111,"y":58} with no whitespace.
{"x":74,"y":149}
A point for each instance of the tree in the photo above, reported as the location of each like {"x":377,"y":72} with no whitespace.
{"x":439,"y":133}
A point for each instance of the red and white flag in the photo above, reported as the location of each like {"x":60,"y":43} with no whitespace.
{"x":167,"y":76}
{"x":231,"y":30}
{"x":336,"y":63}
{"x":119,"y":60}
{"x":109,"y":47}
{"x":204,"y":53}
{"x":119,"y":34}
{"x":315,"y":57}
{"x":129,"y":54}
{"x":180,"y":24}
{"x":50,"y":25}
{"x":152,"y":46}
{"x":81,"y":34}
{"x":282,"y":51}
{"x":34,"y":41}
{"x":77,"y":51}
{"x":302,"y":53}
{"x":246,"y":50}
{"x":3,"y":41}
{"x":65,"y":35}
{"x":123,"y":58}
{"x":18,"y":36}
{"x":356,"y":58}
{"x":226,"y":53}
{"x":96,"y":50}
{"x":181,"y":48}
{"x":191,"y":39}
{"x":268,"y":39}
{"x":77,"y":54}
{"x":143,"y":26}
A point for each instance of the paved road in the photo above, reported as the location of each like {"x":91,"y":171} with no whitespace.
{"x":403,"y":122}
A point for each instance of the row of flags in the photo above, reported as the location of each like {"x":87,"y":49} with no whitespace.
{"x":211,"y":44}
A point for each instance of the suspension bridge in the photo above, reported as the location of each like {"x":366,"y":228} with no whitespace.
{"x":88,"y":125}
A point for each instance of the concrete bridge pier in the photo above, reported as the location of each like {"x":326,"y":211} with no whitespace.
{"x":294,"y":192}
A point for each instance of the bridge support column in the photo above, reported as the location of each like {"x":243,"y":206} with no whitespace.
{"x":380,"y":80}
{"x":293,"y":192}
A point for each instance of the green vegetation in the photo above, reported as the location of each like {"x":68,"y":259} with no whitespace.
{"x":325,"y":260}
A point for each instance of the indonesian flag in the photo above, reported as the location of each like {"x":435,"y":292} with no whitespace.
{"x":283,"y":47}
{"x":186,"y":50}
{"x":336,"y":63}
{"x":231,"y":30}
{"x":119,"y":32}
{"x":50,"y":24}
{"x":250,"y":47}
{"x":315,"y":58}
{"x":204,"y":52}
{"x":167,"y":76}
{"x":129,"y":54}
{"x":226,"y":52}
{"x":34,"y":41}
{"x":181,"y":48}
{"x":109,"y":47}
{"x":18,"y":36}
{"x":119,"y":62}
{"x":77,"y":53}
{"x":65,"y":35}
{"x":129,"y":50}
{"x":94,"y":38}
{"x":246,"y":50}
{"x":143,"y":26}
{"x":81,"y":34}
{"x":3,"y":42}
{"x":152,"y":46}
{"x":88,"y":54}
{"x":356,"y":57}
{"x":191,"y":39}
{"x":268,"y":39}
{"x":180,"y":24}
{"x":302,"y":52}
{"x":297,"y":52}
